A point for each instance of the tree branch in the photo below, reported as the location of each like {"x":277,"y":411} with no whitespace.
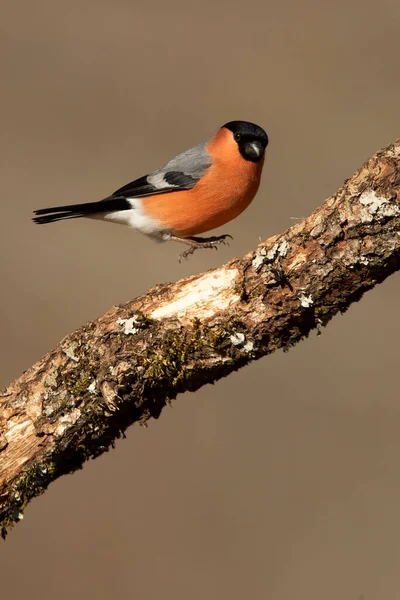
{"x":125,"y":366}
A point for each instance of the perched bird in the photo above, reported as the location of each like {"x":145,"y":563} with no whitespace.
{"x":195,"y":192}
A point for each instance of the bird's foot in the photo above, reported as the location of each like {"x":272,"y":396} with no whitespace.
{"x":195,"y":243}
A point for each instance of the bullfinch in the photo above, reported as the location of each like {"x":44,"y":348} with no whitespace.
{"x":195,"y":192}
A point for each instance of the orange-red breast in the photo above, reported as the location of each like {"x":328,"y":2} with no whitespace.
{"x":195,"y":192}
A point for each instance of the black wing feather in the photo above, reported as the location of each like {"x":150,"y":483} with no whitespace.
{"x":138,"y":187}
{"x":174,"y":181}
{"x":180,"y":180}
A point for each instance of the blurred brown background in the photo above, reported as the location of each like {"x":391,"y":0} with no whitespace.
{"x":283,"y":481}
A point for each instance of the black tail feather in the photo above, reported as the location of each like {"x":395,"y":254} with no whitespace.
{"x":74,"y":211}
{"x":60,"y":217}
{"x":67,"y":208}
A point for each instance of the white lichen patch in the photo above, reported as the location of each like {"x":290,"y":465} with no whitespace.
{"x":249,"y":346}
{"x":129,"y":325}
{"x":376,"y":206}
{"x":389,"y":210}
{"x":283,"y":248}
{"x":237,"y":339}
{"x":372,"y":201}
{"x":305,"y":301}
{"x":70,"y":351}
{"x":259,"y":259}
{"x":262,"y":256}
{"x":271,"y":254}
{"x":92,"y":387}
{"x":201,"y":297}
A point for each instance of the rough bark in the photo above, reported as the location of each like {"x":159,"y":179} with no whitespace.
{"x":126,"y":365}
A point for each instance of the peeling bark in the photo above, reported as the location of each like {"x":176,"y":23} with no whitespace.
{"x":126,"y":365}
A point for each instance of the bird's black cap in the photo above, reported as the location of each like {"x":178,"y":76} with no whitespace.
{"x":250,"y":130}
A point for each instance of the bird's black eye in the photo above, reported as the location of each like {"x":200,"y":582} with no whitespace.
{"x":237,"y":136}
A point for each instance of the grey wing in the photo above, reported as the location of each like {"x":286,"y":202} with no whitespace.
{"x":183,"y":171}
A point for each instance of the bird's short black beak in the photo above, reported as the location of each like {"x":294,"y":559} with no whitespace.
{"x":254,"y":150}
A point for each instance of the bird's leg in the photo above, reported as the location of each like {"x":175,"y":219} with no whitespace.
{"x":195,"y":243}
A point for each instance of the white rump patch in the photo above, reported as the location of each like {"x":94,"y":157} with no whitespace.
{"x":135,"y":218}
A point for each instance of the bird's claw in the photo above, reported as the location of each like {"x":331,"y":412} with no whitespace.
{"x":184,"y":255}
{"x":209,"y":243}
